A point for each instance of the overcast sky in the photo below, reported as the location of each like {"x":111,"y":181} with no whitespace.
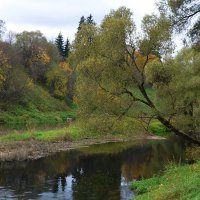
{"x":53,"y":16}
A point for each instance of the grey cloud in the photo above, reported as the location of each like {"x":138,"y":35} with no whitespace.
{"x":47,"y":12}
{"x":56,"y":14}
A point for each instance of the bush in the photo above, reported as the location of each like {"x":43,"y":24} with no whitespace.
{"x":158,"y":129}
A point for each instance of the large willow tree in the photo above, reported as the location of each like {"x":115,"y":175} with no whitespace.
{"x":116,"y":66}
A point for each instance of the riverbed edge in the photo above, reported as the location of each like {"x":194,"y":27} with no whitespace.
{"x":34,"y":149}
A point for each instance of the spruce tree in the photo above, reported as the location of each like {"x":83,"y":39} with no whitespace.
{"x":81,"y":22}
{"x":67,"y":48}
{"x":90,"y":20}
{"x":60,"y":45}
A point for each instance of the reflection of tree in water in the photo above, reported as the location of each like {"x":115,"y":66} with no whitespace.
{"x":90,"y":176}
{"x":61,"y":178}
{"x":38,"y":176}
{"x":146,"y":161}
{"x":97,"y":177}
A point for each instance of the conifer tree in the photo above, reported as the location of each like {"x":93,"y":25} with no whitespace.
{"x":81,"y":22}
{"x":60,"y":45}
{"x":90,"y":20}
{"x":67,"y":48}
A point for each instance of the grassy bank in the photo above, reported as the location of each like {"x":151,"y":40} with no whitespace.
{"x":32,"y":145}
{"x":37,"y":109}
{"x":177,"y":182}
{"x":158,"y":129}
{"x":66,"y":133}
{"x":22,"y":118}
{"x":72,"y":132}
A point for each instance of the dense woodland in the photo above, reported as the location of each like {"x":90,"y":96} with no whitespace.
{"x":36,"y":78}
{"x":118,"y":77}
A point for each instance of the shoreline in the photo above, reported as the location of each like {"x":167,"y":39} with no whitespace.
{"x":35,"y":149}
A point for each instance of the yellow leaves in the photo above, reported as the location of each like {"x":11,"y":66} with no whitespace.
{"x":60,"y":87}
{"x":57,"y":79}
{"x":65,"y":67}
{"x":195,"y":167}
{"x":3,"y":59}
{"x":4,"y":67}
{"x":29,"y":84}
{"x":2,"y":79}
{"x":100,"y":91}
{"x":75,"y":100}
{"x":42,"y":57}
{"x":141,"y":61}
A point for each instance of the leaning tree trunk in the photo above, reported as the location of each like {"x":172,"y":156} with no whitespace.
{"x":176,"y":131}
{"x":165,"y":122}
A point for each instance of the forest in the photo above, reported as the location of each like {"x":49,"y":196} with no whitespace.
{"x":114,"y":82}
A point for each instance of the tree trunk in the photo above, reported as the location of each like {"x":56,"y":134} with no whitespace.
{"x":176,"y":131}
{"x":165,"y":122}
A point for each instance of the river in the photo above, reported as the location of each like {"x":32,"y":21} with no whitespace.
{"x":97,"y":172}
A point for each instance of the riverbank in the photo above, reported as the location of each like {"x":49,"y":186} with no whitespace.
{"x":177,"y":182}
{"x":180,"y":181}
{"x":38,"y":144}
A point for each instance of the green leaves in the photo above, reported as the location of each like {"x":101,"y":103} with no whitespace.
{"x":114,"y":65}
{"x":157,"y":35}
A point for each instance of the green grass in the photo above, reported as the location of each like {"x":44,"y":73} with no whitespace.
{"x":177,"y":183}
{"x":72,"y":133}
{"x":22,"y":118}
{"x":15,"y":137}
{"x":75,"y":132}
{"x":37,"y":109}
{"x":68,"y":133}
{"x":158,"y":129}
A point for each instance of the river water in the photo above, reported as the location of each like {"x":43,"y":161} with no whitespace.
{"x":97,"y":172}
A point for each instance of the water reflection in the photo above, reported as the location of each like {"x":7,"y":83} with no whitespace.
{"x":98,"y":172}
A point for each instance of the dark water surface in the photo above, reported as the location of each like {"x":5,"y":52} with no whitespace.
{"x":98,"y":172}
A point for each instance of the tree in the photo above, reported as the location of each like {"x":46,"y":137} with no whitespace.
{"x":178,"y":101}
{"x":4,"y":67}
{"x":60,"y":45}
{"x":63,"y":48}
{"x":90,"y":20}
{"x":16,"y":85}
{"x":185,"y":15}
{"x":117,"y":64}
{"x":14,"y":82}
{"x":57,"y":80}
{"x":81,"y":22}
{"x":67,"y":48}
{"x":2,"y":28}
{"x":31,"y":45}
{"x":11,"y":37}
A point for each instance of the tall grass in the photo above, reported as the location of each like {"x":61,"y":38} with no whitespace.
{"x":67,"y":133}
{"x":177,"y":183}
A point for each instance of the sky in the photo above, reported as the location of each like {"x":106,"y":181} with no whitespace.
{"x":54,"y":16}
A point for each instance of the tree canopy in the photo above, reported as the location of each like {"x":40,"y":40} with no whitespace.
{"x":28,"y":59}
{"x":115,"y":65}
{"x":2,"y":28}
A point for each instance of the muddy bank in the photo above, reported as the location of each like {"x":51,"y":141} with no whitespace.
{"x":34,"y":149}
